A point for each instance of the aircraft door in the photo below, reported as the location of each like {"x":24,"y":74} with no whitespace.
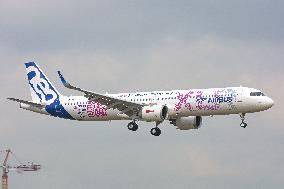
{"x":239,"y":97}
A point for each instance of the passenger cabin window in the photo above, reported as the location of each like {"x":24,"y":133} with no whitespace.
{"x":256,"y":94}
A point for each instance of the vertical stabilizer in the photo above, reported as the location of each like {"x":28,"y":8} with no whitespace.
{"x":42,"y":91}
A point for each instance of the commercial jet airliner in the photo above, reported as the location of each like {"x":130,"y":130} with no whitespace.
{"x":183,"y":108}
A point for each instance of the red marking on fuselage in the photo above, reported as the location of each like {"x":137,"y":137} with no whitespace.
{"x":149,"y":111}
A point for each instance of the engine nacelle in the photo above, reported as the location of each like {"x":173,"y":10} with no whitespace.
{"x":186,"y":123}
{"x":154,"y":113}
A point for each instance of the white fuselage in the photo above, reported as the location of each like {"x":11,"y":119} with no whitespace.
{"x":180,"y":103}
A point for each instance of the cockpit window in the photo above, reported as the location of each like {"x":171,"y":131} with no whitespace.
{"x":256,"y":94}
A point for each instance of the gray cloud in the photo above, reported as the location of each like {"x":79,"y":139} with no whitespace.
{"x":52,"y":25}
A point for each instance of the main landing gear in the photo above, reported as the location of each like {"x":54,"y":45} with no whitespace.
{"x":132,"y":126}
{"x":243,"y":124}
{"x":156,"y":131}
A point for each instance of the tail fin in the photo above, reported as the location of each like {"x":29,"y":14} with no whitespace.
{"x":41,"y":88}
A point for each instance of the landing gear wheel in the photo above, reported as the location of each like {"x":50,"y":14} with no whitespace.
{"x":132,"y":126}
{"x":243,"y":124}
{"x":156,"y":131}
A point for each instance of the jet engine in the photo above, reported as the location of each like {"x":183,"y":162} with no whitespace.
{"x":186,"y":123}
{"x":154,"y":113}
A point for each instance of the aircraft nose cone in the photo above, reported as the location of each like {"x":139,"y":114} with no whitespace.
{"x":270,"y":102}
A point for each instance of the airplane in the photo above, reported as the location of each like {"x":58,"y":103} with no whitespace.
{"x":182,"y":108}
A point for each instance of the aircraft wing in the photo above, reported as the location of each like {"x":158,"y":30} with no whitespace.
{"x":27,"y":102}
{"x":127,"y":107}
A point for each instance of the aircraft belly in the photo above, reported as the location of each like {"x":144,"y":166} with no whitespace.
{"x":102,"y":114}
{"x":207,"y":109}
{"x":110,"y":115}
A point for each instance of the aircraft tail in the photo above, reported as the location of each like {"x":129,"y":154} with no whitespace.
{"x":42,"y":90}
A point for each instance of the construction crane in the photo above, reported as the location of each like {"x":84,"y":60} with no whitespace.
{"x":19,"y":168}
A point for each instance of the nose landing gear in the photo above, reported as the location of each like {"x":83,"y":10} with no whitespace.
{"x":243,"y":123}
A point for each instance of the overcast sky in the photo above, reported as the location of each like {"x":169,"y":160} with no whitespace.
{"x":127,"y":46}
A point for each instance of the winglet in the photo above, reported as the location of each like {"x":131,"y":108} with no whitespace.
{"x":61,"y":77}
{"x":64,"y":82}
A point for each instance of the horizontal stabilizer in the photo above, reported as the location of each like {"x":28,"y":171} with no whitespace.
{"x":27,"y":102}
